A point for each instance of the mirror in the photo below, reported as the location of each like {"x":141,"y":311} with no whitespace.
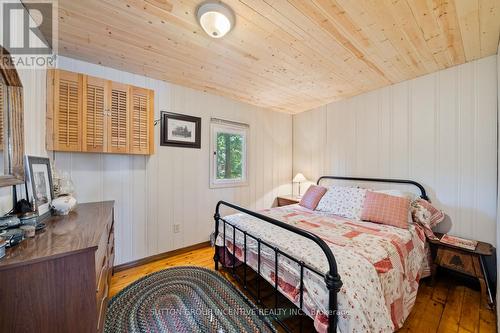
{"x":11,"y":123}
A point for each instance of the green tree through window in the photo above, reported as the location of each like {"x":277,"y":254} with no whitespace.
{"x":229,"y":156}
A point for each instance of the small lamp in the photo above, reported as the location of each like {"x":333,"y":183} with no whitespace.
{"x":299,"y":178}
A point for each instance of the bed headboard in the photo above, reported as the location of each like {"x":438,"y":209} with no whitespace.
{"x":423,"y":194}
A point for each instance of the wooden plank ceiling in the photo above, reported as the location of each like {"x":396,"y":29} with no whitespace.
{"x":285,"y":55}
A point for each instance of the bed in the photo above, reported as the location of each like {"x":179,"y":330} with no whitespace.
{"x":347,"y":275}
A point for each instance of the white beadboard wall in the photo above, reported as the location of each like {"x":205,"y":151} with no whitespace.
{"x":439,"y":129}
{"x":172,"y":186}
{"x":498,"y":180}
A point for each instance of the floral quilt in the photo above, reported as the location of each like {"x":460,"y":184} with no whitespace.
{"x":380,"y":266}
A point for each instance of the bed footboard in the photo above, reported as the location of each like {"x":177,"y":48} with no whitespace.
{"x":332,"y":278}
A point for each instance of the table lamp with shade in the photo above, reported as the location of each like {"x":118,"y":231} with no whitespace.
{"x":299,"y":178}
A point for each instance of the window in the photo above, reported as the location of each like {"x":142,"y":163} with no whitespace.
{"x":228,"y":157}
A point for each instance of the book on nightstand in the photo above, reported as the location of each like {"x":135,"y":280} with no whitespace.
{"x":459,"y":242}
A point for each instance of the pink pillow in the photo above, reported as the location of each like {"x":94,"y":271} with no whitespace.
{"x":312,"y":197}
{"x":386,"y":209}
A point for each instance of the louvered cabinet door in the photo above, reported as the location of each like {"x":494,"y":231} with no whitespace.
{"x":118,"y":118}
{"x":94,"y":132}
{"x":67,"y":111}
{"x":141,"y":120}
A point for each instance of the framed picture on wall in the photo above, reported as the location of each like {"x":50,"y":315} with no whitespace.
{"x":180,"y":130}
{"x":39,"y":183}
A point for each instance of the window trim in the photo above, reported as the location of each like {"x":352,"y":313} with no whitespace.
{"x":217,"y":126}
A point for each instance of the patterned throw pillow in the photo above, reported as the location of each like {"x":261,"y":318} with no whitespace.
{"x":436,"y":217}
{"x":427,"y":216}
{"x":343,"y":201}
{"x":386,"y":209}
{"x":312,"y":196}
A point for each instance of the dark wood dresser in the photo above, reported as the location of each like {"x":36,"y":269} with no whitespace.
{"x":58,"y":281}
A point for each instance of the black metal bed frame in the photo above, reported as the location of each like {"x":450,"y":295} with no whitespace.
{"x":332,"y":278}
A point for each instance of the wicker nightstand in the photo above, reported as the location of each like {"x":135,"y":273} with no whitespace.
{"x":467,"y":262}
{"x":285,"y":200}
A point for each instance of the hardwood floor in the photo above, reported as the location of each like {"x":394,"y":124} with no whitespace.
{"x":452,"y":304}
{"x":201,"y":257}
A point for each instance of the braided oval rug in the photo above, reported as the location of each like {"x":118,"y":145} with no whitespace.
{"x":183,"y":299}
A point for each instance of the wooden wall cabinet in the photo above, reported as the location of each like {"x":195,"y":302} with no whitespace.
{"x":118,"y":122}
{"x":140,"y":132}
{"x":66,"y":111}
{"x":95,"y":109}
{"x":89,"y":114}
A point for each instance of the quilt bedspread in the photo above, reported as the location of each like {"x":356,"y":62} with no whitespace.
{"x":379,"y":265}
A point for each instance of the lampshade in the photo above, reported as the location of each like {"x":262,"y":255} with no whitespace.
{"x":215,"y":18}
{"x":299,"y":178}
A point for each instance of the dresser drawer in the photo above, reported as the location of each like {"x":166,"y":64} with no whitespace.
{"x":111,"y":241}
{"x":101,"y":312}
{"x":102,"y":294}
{"x":100,"y":253}
{"x":456,"y":260}
{"x":110,"y":268}
{"x":111,"y":229}
{"x":102,"y":277}
{"x":106,"y":243}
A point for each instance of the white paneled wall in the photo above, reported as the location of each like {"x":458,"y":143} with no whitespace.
{"x":498,"y":179}
{"x":439,"y":129}
{"x":172,"y":186}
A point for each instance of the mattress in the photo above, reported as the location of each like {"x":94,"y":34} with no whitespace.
{"x":379,"y":265}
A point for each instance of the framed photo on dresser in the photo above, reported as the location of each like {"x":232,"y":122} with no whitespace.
{"x":39,"y":184}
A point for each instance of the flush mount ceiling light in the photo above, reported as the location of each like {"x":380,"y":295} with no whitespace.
{"x":215,"y":18}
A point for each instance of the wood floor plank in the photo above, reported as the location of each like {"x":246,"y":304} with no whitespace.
{"x":487,"y":321}
{"x":440,"y":292}
{"x":463,"y":330}
{"x":448,"y":306}
{"x":469,"y":319}
{"x":416,"y":316}
{"x":450,"y":319}
{"x":431,"y":317}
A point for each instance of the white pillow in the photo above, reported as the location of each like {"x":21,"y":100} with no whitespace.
{"x":343,"y":201}
{"x":401,"y":194}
